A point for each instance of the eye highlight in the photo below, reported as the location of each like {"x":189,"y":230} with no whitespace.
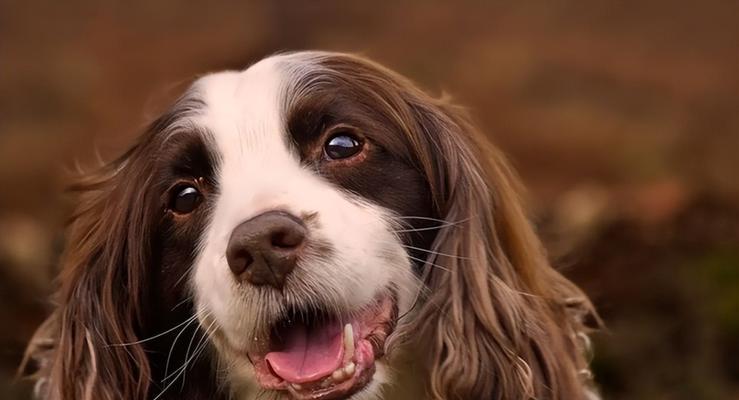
{"x":184,"y":199}
{"x":342,"y":145}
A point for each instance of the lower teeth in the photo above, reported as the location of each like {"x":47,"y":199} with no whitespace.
{"x":349,"y":369}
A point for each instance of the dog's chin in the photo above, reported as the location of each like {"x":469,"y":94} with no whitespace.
{"x":323,"y":354}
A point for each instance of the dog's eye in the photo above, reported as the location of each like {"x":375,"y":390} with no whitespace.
{"x":342,"y":145}
{"x":185,"y":199}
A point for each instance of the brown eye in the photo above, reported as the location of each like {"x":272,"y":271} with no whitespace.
{"x":342,"y":146}
{"x":185,"y":199}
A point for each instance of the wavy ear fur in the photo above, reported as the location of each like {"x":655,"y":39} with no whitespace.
{"x":503,"y":324}
{"x":101,"y":290}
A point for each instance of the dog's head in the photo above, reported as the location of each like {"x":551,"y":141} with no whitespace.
{"x":289,"y":230}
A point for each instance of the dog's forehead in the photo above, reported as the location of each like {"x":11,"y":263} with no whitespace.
{"x":249,"y":110}
{"x":244,"y":108}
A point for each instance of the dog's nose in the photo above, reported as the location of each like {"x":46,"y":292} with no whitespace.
{"x":264,"y":249}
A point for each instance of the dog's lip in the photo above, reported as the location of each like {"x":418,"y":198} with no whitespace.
{"x":370,"y":335}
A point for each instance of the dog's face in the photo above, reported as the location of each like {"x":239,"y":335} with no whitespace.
{"x":300,"y":211}
{"x":313,"y":216}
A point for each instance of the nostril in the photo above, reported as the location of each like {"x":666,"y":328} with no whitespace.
{"x":265,"y":249}
{"x":287,"y":239}
{"x":240,"y":261}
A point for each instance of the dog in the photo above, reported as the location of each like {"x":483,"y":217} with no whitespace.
{"x":312,"y":227}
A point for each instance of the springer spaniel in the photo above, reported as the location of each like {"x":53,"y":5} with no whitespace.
{"x":313,"y":227}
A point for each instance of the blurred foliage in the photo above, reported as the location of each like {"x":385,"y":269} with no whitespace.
{"x":621,"y":117}
{"x":669,"y":292}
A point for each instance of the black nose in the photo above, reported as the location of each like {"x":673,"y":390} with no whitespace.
{"x":264,"y":249}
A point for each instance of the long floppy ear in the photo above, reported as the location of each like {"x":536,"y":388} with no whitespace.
{"x":100,"y":294}
{"x":503,"y":324}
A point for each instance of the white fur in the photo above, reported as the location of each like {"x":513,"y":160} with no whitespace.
{"x":259,"y":171}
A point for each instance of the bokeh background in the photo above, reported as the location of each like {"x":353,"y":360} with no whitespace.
{"x":621,"y":116}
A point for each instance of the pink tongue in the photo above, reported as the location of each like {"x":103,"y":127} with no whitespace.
{"x":309,"y":353}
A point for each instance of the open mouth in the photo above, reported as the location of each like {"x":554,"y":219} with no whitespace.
{"x":315,"y":354}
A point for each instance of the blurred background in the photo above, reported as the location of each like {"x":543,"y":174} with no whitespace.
{"x":621,"y":116}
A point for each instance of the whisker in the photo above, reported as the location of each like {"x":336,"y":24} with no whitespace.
{"x":189,"y":345}
{"x":199,"y":349}
{"x":435,"y":252}
{"x":430,"y":228}
{"x":202,"y":343}
{"x":171,"y":348}
{"x":421,"y":218}
{"x":425,"y":262}
{"x":185,"y":322}
{"x":187,"y":298}
{"x":182,"y":369}
{"x":185,"y":274}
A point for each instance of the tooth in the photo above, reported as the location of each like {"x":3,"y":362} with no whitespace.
{"x":327,"y":382}
{"x":338,"y":375}
{"x":348,"y":341}
{"x":349,"y":370}
{"x":296,"y":386}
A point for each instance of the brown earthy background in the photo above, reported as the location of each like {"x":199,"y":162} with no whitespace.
{"x":622,"y":117}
